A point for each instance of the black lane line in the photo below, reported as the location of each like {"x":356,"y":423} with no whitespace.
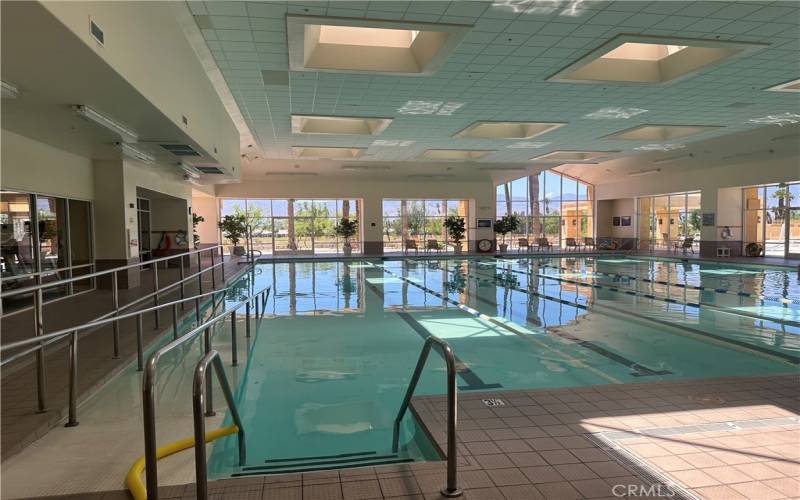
{"x":474,"y":382}
{"x":639,"y":370}
{"x":684,"y":329}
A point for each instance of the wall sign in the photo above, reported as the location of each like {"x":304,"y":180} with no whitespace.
{"x":708,"y":219}
{"x":484,"y":223}
{"x":626,"y":220}
{"x":615,"y":221}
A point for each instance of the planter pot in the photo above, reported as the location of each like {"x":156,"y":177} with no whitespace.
{"x":457,"y":248}
{"x":503,"y":247}
{"x":238,"y":251}
{"x":347,"y":249}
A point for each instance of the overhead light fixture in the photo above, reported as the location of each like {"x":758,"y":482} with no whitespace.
{"x":655,"y":132}
{"x":528,"y":145}
{"x":90,"y":114}
{"x":645,"y":172}
{"x":648,"y":59}
{"x":780,"y":120}
{"x":341,"y":125}
{"x":507,"y":130}
{"x":392,"y":143}
{"x":326,"y":152}
{"x":365,"y":167}
{"x":500,"y":168}
{"x":430,"y":176}
{"x":572,"y":156}
{"x":190,"y":170}
{"x":445,"y":108}
{"x":454,"y":154}
{"x":293,"y":174}
{"x":615,"y":113}
{"x":136,"y":154}
{"x":671,"y":159}
{"x":749,"y":154}
{"x":338,"y":44}
{"x":8,"y":91}
{"x":790,"y":86}
{"x":659,"y":147}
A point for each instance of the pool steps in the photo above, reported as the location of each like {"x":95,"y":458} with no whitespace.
{"x":326,"y":462}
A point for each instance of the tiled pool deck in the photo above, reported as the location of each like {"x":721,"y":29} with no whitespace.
{"x":725,"y":438}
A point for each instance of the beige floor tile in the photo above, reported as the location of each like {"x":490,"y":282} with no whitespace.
{"x":694,"y":478}
{"x":757,"y":490}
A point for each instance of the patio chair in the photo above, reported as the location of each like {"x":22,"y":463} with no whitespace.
{"x":411,"y":245}
{"x":687,"y":243}
{"x":588,"y":242}
{"x":523,"y":243}
{"x":544,"y":243}
{"x":665,"y":240}
{"x":433,"y":245}
{"x":571,"y":243}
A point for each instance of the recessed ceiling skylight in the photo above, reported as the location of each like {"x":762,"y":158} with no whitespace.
{"x":454,"y":154}
{"x":345,"y":44}
{"x":507,"y":130}
{"x":659,"y":147}
{"x":392,"y":143}
{"x":650,"y":59}
{"x":310,"y":124}
{"x":569,"y":156}
{"x":780,"y":119}
{"x":659,"y":132}
{"x":528,"y":145}
{"x":429,"y":108}
{"x":325,"y":152}
{"x":615,"y":113}
{"x":792,"y":86}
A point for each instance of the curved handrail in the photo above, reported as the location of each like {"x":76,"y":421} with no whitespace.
{"x":149,"y":379}
{"x":452,"y":489}
{"x":198,"y":410}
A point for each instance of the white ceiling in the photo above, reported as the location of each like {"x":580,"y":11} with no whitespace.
{"x":498,"y":72}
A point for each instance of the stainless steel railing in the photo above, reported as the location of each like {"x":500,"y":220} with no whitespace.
{"x":149,"y":381}
{"x":38,"y":303}
{"x":201,"y":373}
{"x":451,"y":489}
{"x":37,"y":344}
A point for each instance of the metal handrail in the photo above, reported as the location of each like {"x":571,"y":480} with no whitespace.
{"x":149,"y":378}
{"x":201,"y":373}
{"x":451,"y":489}
{"x":38,"y":303}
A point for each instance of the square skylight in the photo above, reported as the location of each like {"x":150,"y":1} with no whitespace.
{"x":399,"y":143}
{"x":311,"y":124}
{"x":660,"y":132}
{"x":507,"y":130}
{"x":429,"y":108}
{"x":325,"y":152}
{"x":615,"y":113}
{"x":791,"y":86}
{"x":528,"y":145}
{"x":361,"y":45}
{"x":454,"y":154}
{"x":648,"y":59}
{"x":571,"y":156}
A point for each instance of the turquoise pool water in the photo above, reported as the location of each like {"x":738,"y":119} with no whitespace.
{"x":329,"y":366}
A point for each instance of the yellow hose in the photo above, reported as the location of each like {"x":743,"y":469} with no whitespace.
{"x":134,"y":478}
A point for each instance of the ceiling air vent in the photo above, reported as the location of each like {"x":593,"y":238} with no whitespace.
{"x":180,"y":149}
{"x":210,"y":170}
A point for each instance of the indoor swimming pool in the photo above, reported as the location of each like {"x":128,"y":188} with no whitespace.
{"x":329,"y":365}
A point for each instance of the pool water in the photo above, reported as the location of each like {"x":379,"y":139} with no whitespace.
{"x":328,"y":368}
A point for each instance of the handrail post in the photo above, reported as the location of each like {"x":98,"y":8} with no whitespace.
{"x":115,"y":304}
{"x":199,"y":273}
{"x":139,"y":342}
{"x":247,"y":319}
{"x":197,"y":311}
{"x":38,"y":318}
{"x":72,"y":421}
{"x":221,"y":263}
{"x":174,"y":321}
{"x":149,"y":414}
{"x":234,"y":351}
{"x":209,"y":390}
{"x":183,"y":285}
{"x":156,"y":315}
{"x":213,"y":271}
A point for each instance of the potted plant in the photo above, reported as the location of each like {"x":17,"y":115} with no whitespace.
{"x":503,"y":226}
{"x":196,"y":219}
{"x":234,"y":227}
{"x":346,"y":228}
{"x":456,"y":229}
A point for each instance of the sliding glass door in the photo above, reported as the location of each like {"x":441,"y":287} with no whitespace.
{"x":772,"y":219}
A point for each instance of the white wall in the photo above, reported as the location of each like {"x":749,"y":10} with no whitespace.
{"x":207,"y":207}
{"x":33,"y":166}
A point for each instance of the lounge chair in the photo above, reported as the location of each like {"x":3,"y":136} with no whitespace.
{"x":433,"y":245}
{"x":523,"y":243}
{"x":411,"y":245}
{"x":687,"y":243}
{"x":588,"y":242}
{"x":571,"y":244}
{"x":544,"y":243}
